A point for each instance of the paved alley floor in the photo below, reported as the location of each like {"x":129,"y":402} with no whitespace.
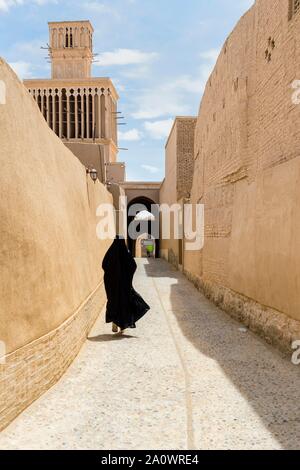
{"x":186,"y":378}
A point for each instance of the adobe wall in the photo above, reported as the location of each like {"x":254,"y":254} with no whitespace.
{"x":185,"y":129}
{"x":168,"y":195}
{"x":247,"y":173}
{"x":51,"y":281}
{"x":91,"y":155}
{"x":176,"y":187}
{"x":136,"y":190}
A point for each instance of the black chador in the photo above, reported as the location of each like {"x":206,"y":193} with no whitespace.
{"x":124,"y":305}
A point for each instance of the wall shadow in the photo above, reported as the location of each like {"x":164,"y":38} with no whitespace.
{"x":265,"y":378}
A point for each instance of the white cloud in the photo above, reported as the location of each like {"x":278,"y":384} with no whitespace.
{"x":138,"y":72}
{"x":124,"y":57}
{"x":210,"y":54}
{"x":44,"y":2}
{"x":159,"y":102}
{"x":151,"y":169}
{"x":22,"y":69}
{"x":205,"y":69}
{"x":101,"y":9}
{"x":118,"y":84}
{"x":186,"y":83}
{"x":247,"y":3}
{"x":5,"y":5}
{"x":28,"y":59}
{"x":159,"y":129}
{"x":131,"y":135}
{"x":30,"y":48}
{"x":96,"y":6}
{"x":169,"y":98}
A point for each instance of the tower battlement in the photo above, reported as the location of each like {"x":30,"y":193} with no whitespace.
{"x":71,"y":49}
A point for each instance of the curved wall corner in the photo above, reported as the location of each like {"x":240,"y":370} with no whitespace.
{"x":51,"y":281}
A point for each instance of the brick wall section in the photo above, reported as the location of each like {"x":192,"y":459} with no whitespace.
{"x":178,"y":182}
{"x":247,"y":172}
{"x":33,"y":369}
{"x":185,"y":155}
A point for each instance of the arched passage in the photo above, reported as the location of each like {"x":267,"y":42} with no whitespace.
{"x":135,"y":206}
{"x":141,"y":246}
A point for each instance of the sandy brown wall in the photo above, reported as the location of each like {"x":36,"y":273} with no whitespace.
{"x":50,"y":258}
{"x":185,"y":129}
{"x":169,"y":248}
{"x":247,"y":163}
{"x":176,"y":188}
{"x":91,"y":155}
{"x":149,"y":193}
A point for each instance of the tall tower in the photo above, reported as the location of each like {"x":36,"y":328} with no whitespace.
{"x":80,"y":109}
{"x":71,"y":49}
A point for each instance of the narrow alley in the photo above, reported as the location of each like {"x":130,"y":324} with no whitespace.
{"x":189,"y":377}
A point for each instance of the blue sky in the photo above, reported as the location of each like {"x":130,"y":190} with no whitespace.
{"x":159,"y":54}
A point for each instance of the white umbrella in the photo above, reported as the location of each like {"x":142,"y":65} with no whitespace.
{"x":144,"y":216}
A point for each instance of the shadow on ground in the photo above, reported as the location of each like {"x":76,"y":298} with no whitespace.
{"x":267,"y":380}
{"x":113,"y":337}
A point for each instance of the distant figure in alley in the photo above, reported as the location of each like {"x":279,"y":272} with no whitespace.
{"x":124,"y":305}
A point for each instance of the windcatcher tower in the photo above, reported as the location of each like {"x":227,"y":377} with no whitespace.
{"x":79,"y":108}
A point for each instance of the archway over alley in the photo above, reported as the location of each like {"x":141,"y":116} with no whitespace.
{"x":144,"y":229}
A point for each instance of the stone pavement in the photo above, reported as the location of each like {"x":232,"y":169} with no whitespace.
{"x":187,"y":378}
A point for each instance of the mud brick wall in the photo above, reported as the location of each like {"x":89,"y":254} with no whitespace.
{"x":247,"y":174}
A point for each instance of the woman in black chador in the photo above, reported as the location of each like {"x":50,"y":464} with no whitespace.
{"x":124,"y":305}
